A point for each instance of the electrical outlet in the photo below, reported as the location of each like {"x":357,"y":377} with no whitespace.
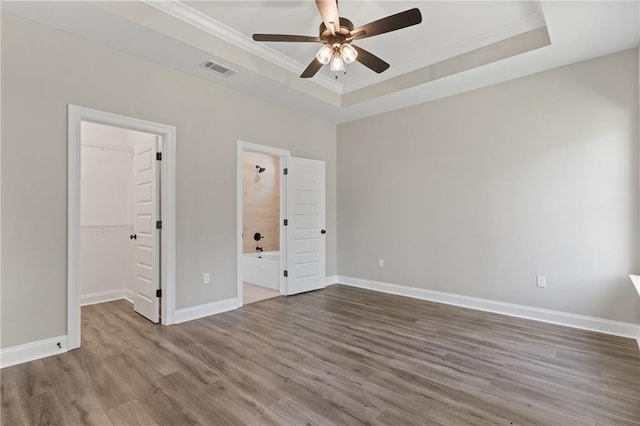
{"x":206,"y":278}
{"x":541,"y":281}
{"x":380,"y":263}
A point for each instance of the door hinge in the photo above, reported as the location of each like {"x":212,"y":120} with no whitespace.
{"x":286,"y":222}
{"x":158,"y":224}
{"x":159,"y":156}
{"x":286,"y":273}
{"x":159,"y":292}
{"x":286,"y":171}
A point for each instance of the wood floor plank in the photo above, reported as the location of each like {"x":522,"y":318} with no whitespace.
{"x":290,"y":411}
{"x":207,"y":406}
{"x":41,"y":409}
{"x":332,"y":357}
{"x":11,"y":413}
{"x":67,"y":378}
{"x":106,"y":386}
{"x":85,"y":411}
{"x":130,"y":413}
{"x":162,"y":408}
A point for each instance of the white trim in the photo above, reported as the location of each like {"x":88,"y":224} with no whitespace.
{"x":105,"y":296}
{"x":216,"y":28}
{"x":76,"y":115}
{"x":186,"y":13}
{"x":129,"y":297}
{"x":261,"y":149}
{"x":31,"y":351}
{"x":331,"y":279}
{"x":582,"y":322}
{"x":635,"y":279}
{"x":205,"y":310}
{"x":523,"y":25}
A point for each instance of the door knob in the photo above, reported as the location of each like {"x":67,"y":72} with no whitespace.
{"x":323,"y":232}
{"x":133,"y":237}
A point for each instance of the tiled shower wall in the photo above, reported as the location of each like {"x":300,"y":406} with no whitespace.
{"x":261,"y":202}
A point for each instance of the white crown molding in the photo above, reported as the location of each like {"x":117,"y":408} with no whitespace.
{"x":191,"y":16}
{"x":204,"y":310}
{"x":32,"y":351}
{"x":582,"y":322}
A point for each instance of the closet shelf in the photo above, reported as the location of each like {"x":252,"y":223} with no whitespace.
{"x":106,"y":228}
{"x":109,"y":147}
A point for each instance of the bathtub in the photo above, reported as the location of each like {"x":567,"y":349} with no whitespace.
{"x":262,"y":269}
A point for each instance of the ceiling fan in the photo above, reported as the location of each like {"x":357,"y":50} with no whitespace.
{"x":337,"y":33}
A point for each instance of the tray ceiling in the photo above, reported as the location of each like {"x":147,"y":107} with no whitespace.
{"x":459,"y":46}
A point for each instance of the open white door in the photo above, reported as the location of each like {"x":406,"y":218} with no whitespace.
{"x":305,"y":212}
{"x":147,"y":271}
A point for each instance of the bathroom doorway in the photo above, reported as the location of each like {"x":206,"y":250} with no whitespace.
{"x":260,"y":208}
{"x":287,"y":256}
{"x":260,"y":226}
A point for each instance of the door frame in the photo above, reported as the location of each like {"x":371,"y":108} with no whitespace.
{"x":76,"y":115}
{"x":276,"y":152}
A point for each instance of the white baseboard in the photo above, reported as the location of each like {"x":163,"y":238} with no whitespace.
{"x":204,"y":310}
{"x":331,"y":279}
{"x":31,"y":351}
{"x":106,"y":296}
{"x":601,"y":325}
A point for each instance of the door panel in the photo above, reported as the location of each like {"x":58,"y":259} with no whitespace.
{"x":147,"y":279}
{"x":305,"y":211}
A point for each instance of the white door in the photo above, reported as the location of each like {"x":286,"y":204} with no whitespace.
{"x":147,"y":271}
{"x":305,"y":213}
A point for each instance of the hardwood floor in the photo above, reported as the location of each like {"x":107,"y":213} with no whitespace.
{"x":336,"y":356}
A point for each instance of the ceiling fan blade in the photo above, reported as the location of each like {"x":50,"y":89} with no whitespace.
{"x":390,"y":23}
{"x":329,"y":11}
{"x":287,"y":38}
{"x":312,"y":69}
{"x":370,"y":60}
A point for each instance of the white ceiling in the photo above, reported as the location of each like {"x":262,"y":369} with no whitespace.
{"x":184,"y":34}
{"x":448,"y":29}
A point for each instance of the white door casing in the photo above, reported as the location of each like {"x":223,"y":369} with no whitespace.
{"x":306,"y":237}
{"x":147,"y":270}
{"x":76,"y":115}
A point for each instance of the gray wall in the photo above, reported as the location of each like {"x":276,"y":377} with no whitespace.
{"x":476,"y":194}
{"x":43,"y":70}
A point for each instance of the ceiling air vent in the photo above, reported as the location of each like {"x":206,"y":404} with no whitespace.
{"x":217,"y":68}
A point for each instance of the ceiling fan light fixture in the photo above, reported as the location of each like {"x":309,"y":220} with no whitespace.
{"x":337,"y":64}
{"x":348,"y":53}
{"x":324,"y":54}
{"x":336,"y":34}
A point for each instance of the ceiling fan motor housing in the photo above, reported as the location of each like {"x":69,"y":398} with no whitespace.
{"x":346,"y":26}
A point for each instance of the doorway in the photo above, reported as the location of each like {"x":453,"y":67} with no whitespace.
{"x":260,"y":215}
{"x":121,"y":238}
{"x":120,"y":199}
{"x":261,"y":176}
{"x":281,"y":223}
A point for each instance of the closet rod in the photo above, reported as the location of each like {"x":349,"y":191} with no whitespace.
{"x":109,"y":148}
